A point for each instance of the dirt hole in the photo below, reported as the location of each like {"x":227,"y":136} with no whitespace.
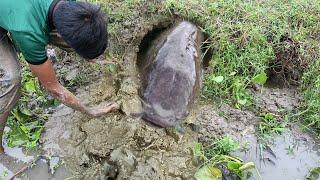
{"x":207,"y":52}
{"x":286,"y":68}
{"x":144,"y":48}
{"x":146,"y":43}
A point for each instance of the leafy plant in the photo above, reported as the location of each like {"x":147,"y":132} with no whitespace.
{"x":260,"y":79}
{"x":208,"y":172}
{"x":27,"y":119}
{"x":270,"y":126}
{"x":218,"y":154}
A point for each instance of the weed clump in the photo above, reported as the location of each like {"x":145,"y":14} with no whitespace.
{"x":217,"y":163}
{"x":270,"y":126}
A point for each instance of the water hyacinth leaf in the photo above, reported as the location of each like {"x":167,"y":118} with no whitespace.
{"x":208,"y":172}
{"x":17,"y":136}
{"x":260,"y":79}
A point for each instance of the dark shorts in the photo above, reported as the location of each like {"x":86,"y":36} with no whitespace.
{"x":10,"y":73}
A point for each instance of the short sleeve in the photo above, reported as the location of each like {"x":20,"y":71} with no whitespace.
{"x":31,"y":46}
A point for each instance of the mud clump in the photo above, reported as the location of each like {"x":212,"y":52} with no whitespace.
{"x":275,"y":100}
{"x":211,"y":123}
{"x":170,"y":71}
{"x":120,"y":148}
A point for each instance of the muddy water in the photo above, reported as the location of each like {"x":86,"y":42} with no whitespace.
{"x":41,"y":170}
{"x":39,"y":166}
{"x":290,"y":157}
{"x":292,"y":154}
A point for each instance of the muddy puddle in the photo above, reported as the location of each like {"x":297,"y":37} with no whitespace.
{"x":291,"y":156}
{"x":40,"y":170}
{"x":33,"y":165}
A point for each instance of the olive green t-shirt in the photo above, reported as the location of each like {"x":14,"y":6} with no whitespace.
{"x":27,"y":22}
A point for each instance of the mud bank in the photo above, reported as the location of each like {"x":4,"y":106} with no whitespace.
{"x":119,"y":146}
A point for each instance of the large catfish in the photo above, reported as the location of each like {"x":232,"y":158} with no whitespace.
{"x":170,"y":74}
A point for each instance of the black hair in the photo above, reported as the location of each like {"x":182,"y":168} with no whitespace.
{"x":82,"y":26}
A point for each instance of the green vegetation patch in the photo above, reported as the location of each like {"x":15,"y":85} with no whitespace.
{"x":310,"y":109}
{"x":314,"y":174}
{"x":27,"y":119}
{"x":215,"y":160}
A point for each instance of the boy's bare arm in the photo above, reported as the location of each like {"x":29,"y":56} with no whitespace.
{"x":46,"y":75}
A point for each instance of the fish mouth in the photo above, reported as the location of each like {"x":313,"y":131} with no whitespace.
{"x":159,"y":121}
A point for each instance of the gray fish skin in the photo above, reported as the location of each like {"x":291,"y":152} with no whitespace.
{"x":172,"y":73}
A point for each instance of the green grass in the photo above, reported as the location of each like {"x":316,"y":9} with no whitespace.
{"x":314,"y":174}
{"x":309,"y":112}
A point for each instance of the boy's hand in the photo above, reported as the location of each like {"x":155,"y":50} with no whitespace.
{"x":102,"y":111}
{"x":1,"y":149}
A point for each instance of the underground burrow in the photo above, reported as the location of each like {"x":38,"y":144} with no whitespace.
{"x":287,"y":68}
